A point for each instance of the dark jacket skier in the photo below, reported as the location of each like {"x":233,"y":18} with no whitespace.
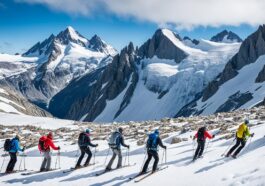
{"x":201,"y":136}
{"x":152,"y":150}
{"x":15,"y":147}
{"x":115,"y":143}
{"x":84,"y":142}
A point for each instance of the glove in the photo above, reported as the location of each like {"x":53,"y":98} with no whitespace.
{"x":193,"y":138}
{"x":214,"y":136}
{"x":96,"y":145}
{"x":252,"y":134}
{"x":23,"y":149}
{"x":165,"y":147}
{"x":59,"y":147}
{"x":128,"y":146}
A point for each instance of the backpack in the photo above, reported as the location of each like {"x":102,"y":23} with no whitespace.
{"x":200,"y":136}
{"x":114,"y":141}
{"x":152,"y":142}
{"x":42,"y":144}
{"x":82,"y":139}
{"x":8,"y":145}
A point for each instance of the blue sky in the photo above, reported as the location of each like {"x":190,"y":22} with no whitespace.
{"x":24,"y":23}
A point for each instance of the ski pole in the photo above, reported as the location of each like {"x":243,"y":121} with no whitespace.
{"x":225,"y":152}
{"x":3,"y":161}
{"x":125,"y":158}
{"x":106,"y":157}
{"x":95,"y":150}
{"x":59,"y":159}
{"x":129,"y":156}
{"x":166,"y":157}
{"x":162,"y":157}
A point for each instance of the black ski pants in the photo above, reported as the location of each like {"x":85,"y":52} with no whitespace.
{"x":154,"y":154}
{"x":12,"y":162}
{"x":200,"y":149}
{"x":240,"y":144}
{"x":84,"y":150}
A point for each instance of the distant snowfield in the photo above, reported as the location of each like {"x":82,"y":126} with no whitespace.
{"x":247,"y":170}
{"x":42,"y":122}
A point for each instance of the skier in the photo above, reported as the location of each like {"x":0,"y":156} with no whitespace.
{"x":14,"y":148}
{"x":115,"y":142}
{"x":152,"y":151}
{"x":84,"y":142}
{"x":242,"y":135}
{"x":45,"y":143}
{"x":201,"y":136}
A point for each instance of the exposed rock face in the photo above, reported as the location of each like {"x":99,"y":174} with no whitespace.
{"x":250,"y":50}
{"x":162,"y":47}
{"x":235,"y":101}
{"x":18,"y":102}
{"x":226,"y":36}
{"x":86,"y":98}
{"x":261,"y":76}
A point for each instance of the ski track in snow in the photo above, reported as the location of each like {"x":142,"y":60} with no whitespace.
{"x":211,"y":170}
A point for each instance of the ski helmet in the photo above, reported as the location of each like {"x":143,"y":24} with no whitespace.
{"x":157,"y":131}
{"x":120,"y":130}
{"x":87,"y":131}
{"x":246,"y":121}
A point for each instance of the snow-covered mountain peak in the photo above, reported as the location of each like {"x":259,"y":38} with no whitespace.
{"x":71,"y":35}
{"x":226,"y":37}
{"x":97,"y":44}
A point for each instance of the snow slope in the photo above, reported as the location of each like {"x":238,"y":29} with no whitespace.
{"x":213,"y":169}
{"x":6,"y":104}
{"x":164,"y":86}
{"x":244,"y":82}
{"x":42,"y":122}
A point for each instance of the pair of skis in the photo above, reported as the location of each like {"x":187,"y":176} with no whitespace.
{"x":107,"y":171}
{"x":140,"y":177}
{"x":16,"y":171}
{"x":73,"y":168}
{"x":36,"y":172}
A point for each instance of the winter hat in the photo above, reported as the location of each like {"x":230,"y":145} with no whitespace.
{"x":17,"y":137}
{"x":87,"y":131}
{"x":157,"y":131}
{"x":50,"y":135}
{"x":246,"y":121}
{"x":120,"y":130}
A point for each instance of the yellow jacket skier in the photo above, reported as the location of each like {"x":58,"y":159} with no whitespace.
{"x":242,"y":135}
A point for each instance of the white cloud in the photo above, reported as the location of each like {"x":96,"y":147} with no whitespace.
{"x":182,"y":13}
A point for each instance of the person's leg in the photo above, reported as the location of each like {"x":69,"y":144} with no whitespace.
{"x":14,"y":161}
{"x":202,"y":145}
{"x":111,"y":160}
{"x":155,"y":155}
{"x":197,"y":150}
{"x":243,"y":143}
{"x":44,"y":162}
{"x":81,"y":157}
{"x":234,"y":147}
{"x":49,"y":160}
{"x":149,"y":156}
{"x":89,"y":155}
{"x":9,"y":165}
{"x":118,"y":152}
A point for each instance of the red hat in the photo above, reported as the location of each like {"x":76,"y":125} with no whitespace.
{"x":50,"y":135}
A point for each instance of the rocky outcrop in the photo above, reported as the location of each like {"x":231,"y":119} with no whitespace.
{"x":226,"y":36}
{"x":250,"y":50}
{"x":162,"y":47}
{"x":85,"y":98}
{"x":21,"y":104}
{"x":261,"y":76}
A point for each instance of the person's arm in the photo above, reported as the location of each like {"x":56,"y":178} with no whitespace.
{"x":17,"y":145}
{"x":51,"y":144}
{"x":91,"y":144}
{"x":208,"y":135}
{"x":247,"y":132}
{"x":160,"y":143}
{"x":195,"y":136}
{"x":122,"y":142}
